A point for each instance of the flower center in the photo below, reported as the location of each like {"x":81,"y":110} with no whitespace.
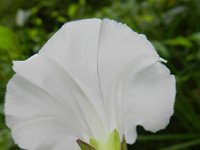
{"x":112,"y":143}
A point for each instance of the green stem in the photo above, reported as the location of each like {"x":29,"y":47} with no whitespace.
{"x":183,"y":145}
{"x":167,"y":137}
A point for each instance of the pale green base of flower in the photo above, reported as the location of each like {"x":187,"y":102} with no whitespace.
{"x":112,"y":143}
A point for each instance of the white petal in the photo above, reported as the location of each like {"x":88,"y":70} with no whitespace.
{"x":63,"y":142}
{"x":149,"y":93}
{"x":118,"y":46}
{"x":74,"y":48}
{"x":34,"y":116}
{"x":42,"y":89}
{"x":137,"y":89}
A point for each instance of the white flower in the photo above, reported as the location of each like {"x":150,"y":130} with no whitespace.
{"x":94,"y":80}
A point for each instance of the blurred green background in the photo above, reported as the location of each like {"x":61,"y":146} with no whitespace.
{"x":173,"y":26}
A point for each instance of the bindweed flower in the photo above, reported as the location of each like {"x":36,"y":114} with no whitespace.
{"x":88,"y":88}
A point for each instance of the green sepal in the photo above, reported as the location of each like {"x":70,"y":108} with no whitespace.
{"x":84,"y":146}
{"x":123,"y":145}
{"x":113,"y":143}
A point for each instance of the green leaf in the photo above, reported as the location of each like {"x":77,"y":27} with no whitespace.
{"x":8,"y":40}
{"x":183,"y":145}
{"x":179,"y":41}
{"x":72,"y":10}
{"x":161,"y":49}
{"x":195,"y":37}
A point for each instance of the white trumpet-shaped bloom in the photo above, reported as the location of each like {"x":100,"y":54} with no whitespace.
{"x":91,"y":78}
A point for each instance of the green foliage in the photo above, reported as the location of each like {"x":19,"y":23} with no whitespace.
{"x":9,"y":50}
{"x":173,"y":26}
